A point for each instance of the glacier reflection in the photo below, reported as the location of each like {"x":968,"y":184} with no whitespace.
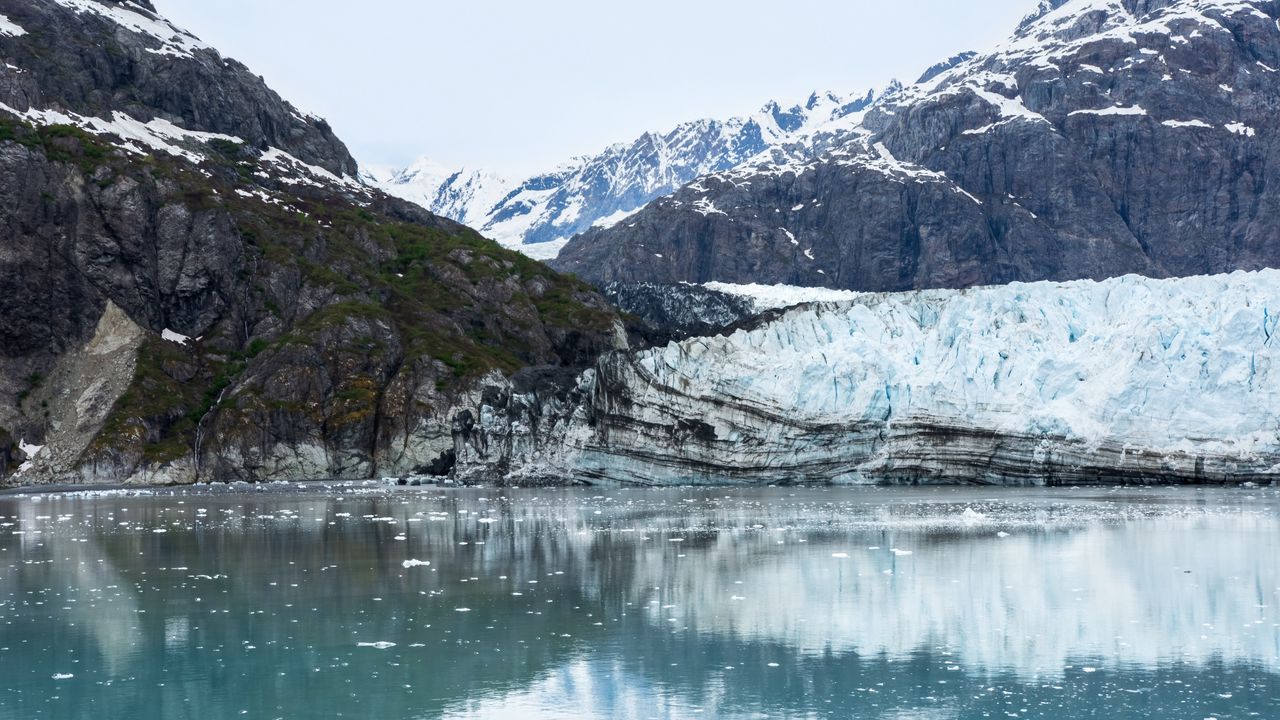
{"x":646,"y":603}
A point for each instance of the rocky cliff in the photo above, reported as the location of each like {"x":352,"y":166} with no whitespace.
{"x":193,"y":286}
{"x":1104,"y":137}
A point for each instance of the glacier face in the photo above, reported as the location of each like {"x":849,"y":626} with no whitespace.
{"x":539,"y":214}
{"x":1130,"y":379}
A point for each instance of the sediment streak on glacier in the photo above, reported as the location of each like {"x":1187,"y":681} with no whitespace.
{"x":1130,"y":379}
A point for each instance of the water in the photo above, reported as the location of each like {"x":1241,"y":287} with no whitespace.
{"x":297,"y":602}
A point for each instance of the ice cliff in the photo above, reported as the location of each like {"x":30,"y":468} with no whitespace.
{"x":1130,"y":379}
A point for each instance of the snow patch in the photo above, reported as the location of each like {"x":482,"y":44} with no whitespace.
{"x":174,"y":337}
{"x":30,"y":451}
{"x":136,"y":136}
{"x":609,"y":221}
{"x":1112,"y":111}
{"x":9,"y":28}
{"x":297,"y":172}
{"x":173,"y":41}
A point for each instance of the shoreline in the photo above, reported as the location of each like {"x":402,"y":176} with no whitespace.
{"x":67,"y":489}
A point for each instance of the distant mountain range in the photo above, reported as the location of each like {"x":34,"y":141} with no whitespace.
{"x":1104,"y":137}
{"x":539,"y":214}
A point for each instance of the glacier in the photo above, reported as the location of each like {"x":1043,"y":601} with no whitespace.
{"x":1125,"y":380}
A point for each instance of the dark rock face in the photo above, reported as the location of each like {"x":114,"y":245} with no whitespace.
{"x":679,"y":311}
{"x":1097,"y":142}
{"x":85,"y":62}
{"x":180,"y":306}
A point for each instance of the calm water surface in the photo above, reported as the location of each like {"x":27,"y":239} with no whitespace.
{"x":356,"y":601}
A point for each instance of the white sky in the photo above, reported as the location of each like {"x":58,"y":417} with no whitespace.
{"x":519,"y":86}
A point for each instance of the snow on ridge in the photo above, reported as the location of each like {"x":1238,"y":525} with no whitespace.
{"x":1181,"y":365}
{"x":174,"y":41}
{"x":604,"y":189}
{"x":302,"y":173}
{"x":9,"y":28}
{"x":136,"y":136}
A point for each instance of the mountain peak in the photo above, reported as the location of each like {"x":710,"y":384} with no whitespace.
{"x":537,"y":215}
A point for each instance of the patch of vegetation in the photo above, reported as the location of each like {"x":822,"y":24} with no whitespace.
{"x":34,"y":381}
{"x":159,"y":414}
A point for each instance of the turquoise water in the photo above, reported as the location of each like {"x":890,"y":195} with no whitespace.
{"x":358,"y":601}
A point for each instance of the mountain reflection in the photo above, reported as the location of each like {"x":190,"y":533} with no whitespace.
{"x":636,"y":603}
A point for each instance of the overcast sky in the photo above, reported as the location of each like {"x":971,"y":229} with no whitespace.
{"x":520,"y":86}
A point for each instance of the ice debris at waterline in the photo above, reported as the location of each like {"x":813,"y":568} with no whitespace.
{"x":1129,"y":379}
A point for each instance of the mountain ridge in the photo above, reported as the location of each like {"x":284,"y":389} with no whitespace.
{"x":538,"y":214}
{"x":1072,"y":150}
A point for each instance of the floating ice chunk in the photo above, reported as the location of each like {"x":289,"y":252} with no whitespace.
{"x":380,"y":645}
{"x":901,"y":553}
{"x":62,"y":676}
{"x":840,"y":555}
{"x":415,"y":563}
{"x":462,"y":609}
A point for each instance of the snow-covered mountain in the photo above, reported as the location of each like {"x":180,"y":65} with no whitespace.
{"x":1103,"y":137}
{"x":1130,"y":379}
{"x":459,"y":194}
{"x":538,"y":214}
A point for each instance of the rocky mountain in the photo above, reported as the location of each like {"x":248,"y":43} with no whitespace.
{"x":1125,"y":380}
{"x":1104,"y":137}
{"x":538,"y":214}
{"x":193,"y":285}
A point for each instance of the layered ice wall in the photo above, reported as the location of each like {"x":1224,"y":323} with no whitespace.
{"x":1130,"y":379}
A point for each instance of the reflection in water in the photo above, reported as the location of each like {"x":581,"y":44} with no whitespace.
{"x":886,"y":603}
